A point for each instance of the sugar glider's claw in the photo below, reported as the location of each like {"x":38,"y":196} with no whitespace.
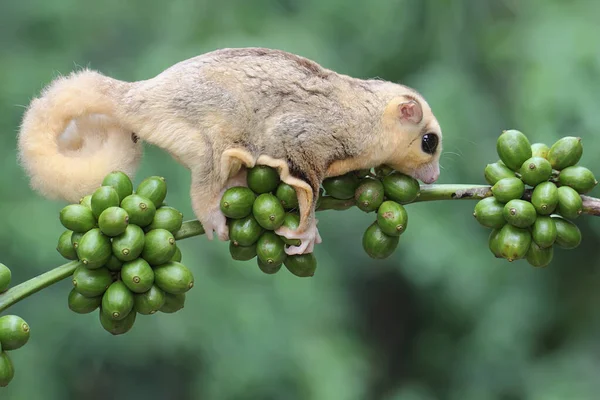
{"x":217,"y":222}
{"x":318,"y":237}
{"x":304,"y":248}
{"x":308,"y":239}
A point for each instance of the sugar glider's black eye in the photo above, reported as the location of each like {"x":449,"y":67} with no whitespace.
{"x":429,"y":143}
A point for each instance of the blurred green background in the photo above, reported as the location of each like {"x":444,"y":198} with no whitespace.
{"x":440,"y":319}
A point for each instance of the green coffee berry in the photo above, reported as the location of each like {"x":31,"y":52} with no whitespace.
{"x":514,"y":148}
{"x":154,"y":188}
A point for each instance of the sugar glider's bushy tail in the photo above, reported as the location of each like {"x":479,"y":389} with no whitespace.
{"x":71,"y":137}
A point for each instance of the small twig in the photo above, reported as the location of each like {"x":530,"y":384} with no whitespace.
{"x":34,"y":285}
{"x":591,"y":205}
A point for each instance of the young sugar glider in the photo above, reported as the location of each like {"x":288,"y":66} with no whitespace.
{"x":223,"y":112}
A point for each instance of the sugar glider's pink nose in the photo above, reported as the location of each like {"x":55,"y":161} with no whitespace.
{"x":429,"y":174}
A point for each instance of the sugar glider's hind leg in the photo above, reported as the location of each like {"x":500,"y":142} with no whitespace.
{"x":208,"y":186}
{"x":204,"y":195}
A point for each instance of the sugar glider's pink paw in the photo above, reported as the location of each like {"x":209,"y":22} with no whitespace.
{"x":216,"y":222}
{"x":308,"y":239}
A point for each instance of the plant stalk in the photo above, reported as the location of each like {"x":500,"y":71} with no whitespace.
{"x":591,"y":206}
{"x":34,"y":285}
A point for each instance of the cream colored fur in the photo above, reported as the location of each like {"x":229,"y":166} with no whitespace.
{"x":70,"y":140}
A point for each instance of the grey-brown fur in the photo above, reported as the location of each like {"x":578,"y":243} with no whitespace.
{"x":294,"y":99}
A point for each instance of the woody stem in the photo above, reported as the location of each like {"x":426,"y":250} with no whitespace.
{"x":591,"y":206}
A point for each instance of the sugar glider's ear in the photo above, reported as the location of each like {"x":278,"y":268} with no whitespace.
{"x":410,"y":111}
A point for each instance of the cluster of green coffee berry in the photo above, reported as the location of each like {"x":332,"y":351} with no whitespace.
{"x":14,"y":333}
{"x":256,"y":211}
{"x":536,"y":196}
{"x":383,"y":191}
{"x":253,"y":214}
{"x":129,"y":260}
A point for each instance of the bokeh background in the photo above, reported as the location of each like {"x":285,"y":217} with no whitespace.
{"x":440,"y":319}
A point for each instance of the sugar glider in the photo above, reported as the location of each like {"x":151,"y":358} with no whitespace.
{"x":220,"y":113}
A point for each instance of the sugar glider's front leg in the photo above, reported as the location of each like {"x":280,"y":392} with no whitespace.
{"x":307,"y":230}
{"x":209,"y":185}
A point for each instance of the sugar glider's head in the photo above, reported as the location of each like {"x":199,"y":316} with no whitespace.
{"x":413,"y":137}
